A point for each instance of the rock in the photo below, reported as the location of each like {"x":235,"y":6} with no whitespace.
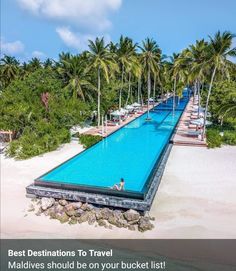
{"x":63,"y":218}
{"x":71,"y":213}
{"x":73,"y":221}
{"x":133,"y":222}
{"x":131,"y":227}
{"x":63,"y":202}
{"x":131,"y":215}
{"x":84,"y":217}
{"x":47,"y":203}
{"x":31,"y":208}
{"x":77,"y":205}
{"x":91,"y":218}
{"x":69,"y":207}
{"x":58,"y":208}
{"x":102,"y":223}
{"x":120,"y":223}
{"x":118,"y":214}
{"x":104,"y":213}
{"x":87,"y":207}
{"x":79,"y":212}
{"x":145,"y":224}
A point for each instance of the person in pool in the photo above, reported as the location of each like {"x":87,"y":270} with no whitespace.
{"x":120,"y":186}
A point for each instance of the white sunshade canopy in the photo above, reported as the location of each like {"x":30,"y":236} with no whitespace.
{"x":136,"y":105}
{"x":116,"y":113}
{"x":123,"y":111}
{"x":129,"y":107}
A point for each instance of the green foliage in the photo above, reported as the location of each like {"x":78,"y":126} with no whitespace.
{"x":223,"y":95}
{"x":40,"y":102}
{"x":43,"y":139}
{"x":214,"y":139}
{"x":229,"y":137}
{"x":89,"y":140}
{"x":38,"y":129}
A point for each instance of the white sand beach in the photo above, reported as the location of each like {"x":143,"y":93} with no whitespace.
{"x":196,"y":198}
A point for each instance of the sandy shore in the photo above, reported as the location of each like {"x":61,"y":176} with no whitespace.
{"x":196,"y":198}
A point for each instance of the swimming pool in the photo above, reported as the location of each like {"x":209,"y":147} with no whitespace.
{"x":131,"y":153}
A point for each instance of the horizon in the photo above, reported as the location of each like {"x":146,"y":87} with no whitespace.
{"x":44,"y":29}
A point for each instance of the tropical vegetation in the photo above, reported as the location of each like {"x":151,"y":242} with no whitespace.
{"x":41,"y":101}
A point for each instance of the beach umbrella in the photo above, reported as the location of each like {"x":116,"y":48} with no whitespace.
{"x":136,"y":105}
{"x":123,"y":111}
{"x":116,"y":113}
{"x":129,"y":107}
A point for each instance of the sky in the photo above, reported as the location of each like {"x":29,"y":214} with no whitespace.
{"x":44,"y":28}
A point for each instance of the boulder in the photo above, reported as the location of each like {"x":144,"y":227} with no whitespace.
{"x":131,"y":215}
{"x":63,"y":218}
{"x":77,"y":205}
{"x":58,"y":208}
{"x":91,"y":218}
{"x":79,"y":212}
{"x":73,"y":220}
{"x":131,"y":227}
{"x":69,"y":207}
{"x":102,"y":223}
{"x":47,"y":203}
{"x":145,"y":224}
{"x":84,"y":217}
{"x":118,"y":222}
{"x":71,"y":213}
{"x":104,"y":213}
{"x":63,"y":202}
{"x":87,"y":207}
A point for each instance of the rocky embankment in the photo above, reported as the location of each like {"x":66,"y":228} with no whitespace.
{"x":78,"y":212}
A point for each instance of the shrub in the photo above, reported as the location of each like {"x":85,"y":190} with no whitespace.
{"x":229,"y":137}
{"x":214,"y":139}
{"x":89,"y":140}
{"x":33,"y":143}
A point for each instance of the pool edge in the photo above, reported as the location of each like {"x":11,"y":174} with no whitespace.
{"x":106,"y":200}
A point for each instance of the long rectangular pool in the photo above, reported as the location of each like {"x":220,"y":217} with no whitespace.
{"x":132,"y":153}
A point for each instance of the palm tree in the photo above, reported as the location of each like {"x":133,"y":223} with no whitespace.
{"x":196,"y":56}
{"x":176,"y":68}
{"x":149,"y":59}
{"x":75,"y":75}
{"x":9,"y":69}
{"x":218,"y":51}
{"x":228,"y":110}
{"x":127,"y":59}
{"x":102,"y":61}
{"x":48,"y":63}
{"x":34,"y":64}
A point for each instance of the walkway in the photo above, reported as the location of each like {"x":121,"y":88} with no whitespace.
{"x":185,"y":131}
{"x":111,"y":129}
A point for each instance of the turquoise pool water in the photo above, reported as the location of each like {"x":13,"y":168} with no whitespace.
{"x":129,"y":153}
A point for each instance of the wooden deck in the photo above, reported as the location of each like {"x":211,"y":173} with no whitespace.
{"x":182,"y":136}
{"x":111,"y":129}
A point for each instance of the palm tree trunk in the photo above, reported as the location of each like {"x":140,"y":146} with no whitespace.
{"x":139,"y":88}
{"x":122,"y":82}
{"x":199,"y":98}
{"x":207,"y":102}
{"x":127,"y":100}
{"x":154,"y":90}
{"x":149,"y":90}
{"x":99,"y":97}
{"x":173,"y":109}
